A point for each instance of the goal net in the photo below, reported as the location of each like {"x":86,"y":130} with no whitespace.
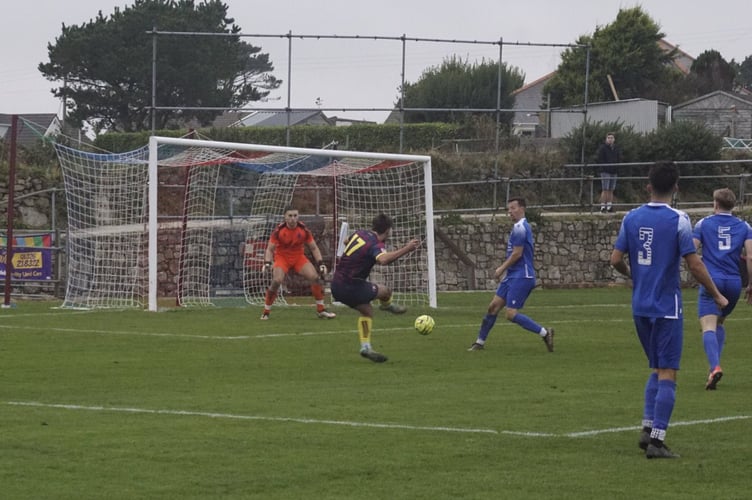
{"x":106,"y":237}
{"x":190,"y":219}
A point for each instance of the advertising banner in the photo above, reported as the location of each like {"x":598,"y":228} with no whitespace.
{"x":32,"y":257}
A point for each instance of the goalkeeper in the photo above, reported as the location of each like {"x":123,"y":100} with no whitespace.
{"x":286,"y":252}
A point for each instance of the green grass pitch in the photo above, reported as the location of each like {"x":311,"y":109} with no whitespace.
{"x":213,"y":403}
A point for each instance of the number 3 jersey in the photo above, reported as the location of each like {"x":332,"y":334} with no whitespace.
{"x":656,"y":237}
{"x":359,"y":256}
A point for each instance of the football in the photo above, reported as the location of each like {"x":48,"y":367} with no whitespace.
{"x":424,"y":324}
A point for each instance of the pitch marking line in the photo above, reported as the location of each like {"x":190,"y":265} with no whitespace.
{"x":251,"y":417}
{"x":470,"y":326}
{"x":347,"y":423}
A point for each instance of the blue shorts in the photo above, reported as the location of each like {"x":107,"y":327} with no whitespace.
{"x":354,"y":294}
{"x":661,"y":339}
{"x":608,"y":181}
{"x":730,"y":288}
{"x":515,"y":291}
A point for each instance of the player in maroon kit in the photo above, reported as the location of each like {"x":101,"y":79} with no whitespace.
{"x":350,"y":285}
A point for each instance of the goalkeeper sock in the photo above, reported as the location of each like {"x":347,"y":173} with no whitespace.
{"x":318,"y":295}
{"x":386,"y":302}
{"x":364,"y":332}
{"x":269,"y":299}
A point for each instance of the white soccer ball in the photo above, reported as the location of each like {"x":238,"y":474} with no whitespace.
{"x":424,"y":324}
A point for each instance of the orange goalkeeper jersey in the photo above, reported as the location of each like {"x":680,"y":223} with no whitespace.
{"x":291,"y":243}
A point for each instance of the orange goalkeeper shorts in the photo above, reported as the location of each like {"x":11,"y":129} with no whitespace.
{"x":287,"y":262}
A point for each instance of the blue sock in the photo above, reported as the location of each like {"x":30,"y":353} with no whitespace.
{"x":651,"y":389}
{"x":485,"y":327}
{"x":720,"y":334}
{"x":527,"y":323}
{"x":710,"y":341}
{"x":664,"y":403}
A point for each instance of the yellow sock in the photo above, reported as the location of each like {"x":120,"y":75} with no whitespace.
{"x":387,"y":302}
{"x":364,"y":331}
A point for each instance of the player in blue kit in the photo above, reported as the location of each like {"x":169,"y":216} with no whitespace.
{"x":350,"y":285}
{"x":655,"y":237}
{"x":519,"y":281}
{"x":722,"y":237}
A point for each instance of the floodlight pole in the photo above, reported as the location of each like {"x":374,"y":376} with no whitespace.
{"x":402,"y":98}
{"x":153,"y":80}
{"x":497,"y":140}
{"x":585,"y":105}
{"x":288,"y":109}
{"x":11,"y":203}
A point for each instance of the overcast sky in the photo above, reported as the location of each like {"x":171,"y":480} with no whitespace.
{"x":366,"y":73}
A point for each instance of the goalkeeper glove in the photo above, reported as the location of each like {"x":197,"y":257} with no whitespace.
{"x":267,"y":266}
{"x":322,"y":268}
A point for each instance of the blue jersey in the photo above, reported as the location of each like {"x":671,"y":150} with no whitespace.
{"x":521,"y":236}
{"x":722,"y":237}
{"x":656,"y":237}
{"x":359,"y":257}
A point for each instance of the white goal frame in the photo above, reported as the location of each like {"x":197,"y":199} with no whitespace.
{"x":153,"y":199}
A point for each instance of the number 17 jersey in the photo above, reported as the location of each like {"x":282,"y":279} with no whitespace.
{"x":359,"y":257}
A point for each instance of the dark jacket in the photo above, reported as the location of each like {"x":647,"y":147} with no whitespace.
{"x":609,"y":154}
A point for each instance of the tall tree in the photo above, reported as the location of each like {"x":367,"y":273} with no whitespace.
{"x":456,"y":83}
{"x":744,"y":73}
{"x":712,"y":72}
{"x":626,"y":50}
{"x":104,"y":66}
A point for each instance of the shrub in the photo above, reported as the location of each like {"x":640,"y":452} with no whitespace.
{"x":682,"y":141}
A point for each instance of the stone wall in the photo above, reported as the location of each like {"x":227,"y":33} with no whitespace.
{"x":32,"y":206}
{"x":569,"y":252}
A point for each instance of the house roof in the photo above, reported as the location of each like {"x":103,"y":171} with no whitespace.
{"x":540,"y":80}
{"x":31,"y":127}
{"x":228,"y":119}
{"x":682,"y":61}
{"x":746,"y":100}
{"x":269,"y":118}
{"x":279,"y":118}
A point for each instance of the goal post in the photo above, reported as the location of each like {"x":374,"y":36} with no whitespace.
{"x":362,"y":185}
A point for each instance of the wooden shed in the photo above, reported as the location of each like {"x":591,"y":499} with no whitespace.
{"x":728,"y":114}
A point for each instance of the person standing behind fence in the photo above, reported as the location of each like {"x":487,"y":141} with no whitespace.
{"x":722,"y":237}
{"x":608,"y":155}
{"x":655,"y":238}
